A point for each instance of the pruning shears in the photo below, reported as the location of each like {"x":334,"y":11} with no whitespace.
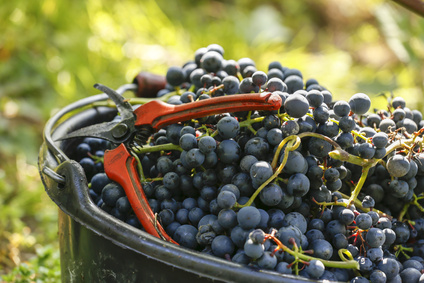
{"x":137,"y":125}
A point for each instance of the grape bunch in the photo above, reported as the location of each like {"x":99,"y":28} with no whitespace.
{"x":321,"y":189}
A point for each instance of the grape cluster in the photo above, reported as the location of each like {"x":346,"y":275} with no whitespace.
{"x":319,"y":188}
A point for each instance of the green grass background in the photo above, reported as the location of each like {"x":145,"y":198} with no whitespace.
{"x":52,"y":52}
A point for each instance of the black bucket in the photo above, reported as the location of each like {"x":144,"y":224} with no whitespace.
{"x":97,"y":247}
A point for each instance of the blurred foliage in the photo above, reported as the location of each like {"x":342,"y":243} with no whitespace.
{"x":52,"y":52}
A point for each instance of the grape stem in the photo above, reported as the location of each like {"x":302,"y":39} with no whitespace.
{"x":160,"y":147}
{"x":358,"y":204}
{"x":293,"y":144}
{"x":299,"y":255}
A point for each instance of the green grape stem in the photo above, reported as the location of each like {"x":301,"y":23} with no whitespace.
{"x":298,"y":254}
{"x":293,"y":145}
{"x":153,"y":148}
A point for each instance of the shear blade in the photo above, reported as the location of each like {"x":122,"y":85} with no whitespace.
{"x":123,"y":106}
{"x":103,"y":131}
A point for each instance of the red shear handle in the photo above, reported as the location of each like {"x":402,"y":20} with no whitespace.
{"x":158,"y":114}
{"x":121,"y":167}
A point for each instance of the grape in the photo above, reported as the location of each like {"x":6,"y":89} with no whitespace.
{"x":341,"y":108}
{"x":409,"y":125}
{"x":211,"y":61}
{"x":182,"y":216}
{"x":296,"y":219}
{"x":314,"y":234}
{"x":188,"y":141}
{"x":276,"y":84}
{"x":375,"y":237}
{"x":88,"y":166}
{"x":359,"y":103}
{"x":296,"y":163}
{"x":398,"y":165}
{"x":173,"y":133}
{"x":171,"y":180}
{"x":340,"y":241}
{"x":228,"y":127}
{"x":335,"y":227}
{"x":290,"y":232}
{"x":296,"y":105}
{"x":271,"y":194}
{"x":331,"y":174}
{"x":315,"y":269}
{"x":248,"y":217}
{"x":368,"y":202}
{"x":267,"y":261}
{"x":247,"y":86}
{"x":216,"y":47}
{"x":380,"y":140}
{"x":315,"y":98}
{"x":228,"y":151}
{"x":298,"y":185}
{"x":253,"y":250}
{"x":410,"y":275}
{"x":417,"y":116}
{"x":294,"y":72}
{"x":227,"y":218}
{"x":399,"y":188}
{"x":321,"y":114}
{"x":226,"y":199}
{"x":123,"y":205}
{"x":257,"y":236}
{"x":241,"y":257}
{"x":413,"y":264}
{"x":346,"y":124}
{"x":389,"y":266}
{"x":239,"y":236}
{"x":166,"y":216}
{"x":378,"y":276}
{"x":402,"y":232}
{"x":231,"y":84}
{"x":322,"y":249}
{"x":185,"y":235}
{"x":111,"y":193}
{"x":260,"y":172}
{"x":387,"y":125}
{"x":275,"y":64}
{"x":375,"y":254}
{"x":346,"y":216}
{"x":282,"y":267}
{"x":274,"y":136}
{"x":398,"y":102}
{"x":199,"y":53}
{"x":363,"y":221}
{"x":98,"y":182}
{"x":82,"y":150}
{"x":289,"y":128}
{"x":329,"y":129}
{"x":293,"y":82}
{"x":206,"y":80}
{"x":175,"y":76}
{"x":374,"y":120}
{"x":345,"y":140}
{"x":194,"y":158}
{"x":244,"y":62}
{"x":270,"y":122}
{"x":222,"y":245}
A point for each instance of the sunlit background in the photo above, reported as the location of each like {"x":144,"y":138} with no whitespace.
{"x":52,"y":52}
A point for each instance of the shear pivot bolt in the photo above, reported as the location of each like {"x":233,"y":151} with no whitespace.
{"x":120,"y":131}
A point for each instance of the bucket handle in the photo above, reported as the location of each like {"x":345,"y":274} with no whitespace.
{"x":54,"y":176}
